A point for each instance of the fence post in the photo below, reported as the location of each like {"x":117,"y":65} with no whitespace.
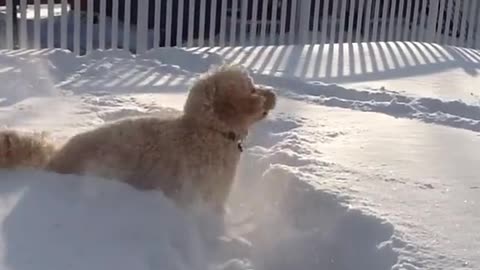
{"x":303,"y":20}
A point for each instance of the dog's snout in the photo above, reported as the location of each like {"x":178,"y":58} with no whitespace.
{"x":270,"y":99}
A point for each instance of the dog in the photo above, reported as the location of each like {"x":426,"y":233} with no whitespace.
{"x":189,"y":158}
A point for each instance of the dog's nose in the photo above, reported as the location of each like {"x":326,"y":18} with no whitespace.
{"x":270,"y":99}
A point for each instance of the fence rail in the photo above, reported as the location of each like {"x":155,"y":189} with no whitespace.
{"x":139,"y":25}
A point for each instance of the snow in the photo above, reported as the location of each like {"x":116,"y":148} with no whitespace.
{"x":372,"y":168}
{"x":59,"y":222}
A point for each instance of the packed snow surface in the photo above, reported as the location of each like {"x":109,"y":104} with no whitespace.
{"x":370,"y":169}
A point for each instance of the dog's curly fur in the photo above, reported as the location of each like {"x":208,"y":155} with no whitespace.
{"x":21,"y":150}
{"x":193,"y":156}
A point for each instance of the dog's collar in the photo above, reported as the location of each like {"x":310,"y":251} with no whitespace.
{"x":233,"y":137}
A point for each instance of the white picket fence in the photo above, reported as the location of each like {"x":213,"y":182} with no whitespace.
{"x":254,"y":22}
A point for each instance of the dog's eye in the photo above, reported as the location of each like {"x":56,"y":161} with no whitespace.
{"x":253,"y":91}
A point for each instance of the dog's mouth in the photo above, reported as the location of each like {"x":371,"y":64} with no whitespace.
{"x":264,"y":115}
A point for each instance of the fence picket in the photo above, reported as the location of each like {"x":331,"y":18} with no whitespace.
{"x":471,"y":25}
{"x":463,"y":25}
{"x":168,"y":24}
{"x":325,"y":17}
{"x":102,"y":22}
{"x":368,"y":16}
{"x":423,"y":18}
{"x":343,"y":10}
{"x":273,"y":25}
{"x":191,"y":22}
{"x":406,"y":25}
{"x":142,"y":27}
{"x":333,"y":23}
{"x":76,"y":28}
{"x":10,"y":26}
{"x":89,"y":26}
{"x":383,"y":27}
{"x":156,"y":24}
{"x":23,"y":25}
{"x":114,"y":37}
{"x":51,"y":17}
{"x":376,"y":21}
{"x":213,"y":18}
{"x":243,"y":23}
{"x":263,"y":24}
{"x":351,"y":16}
{"x":223,"y":22}
{"x":303,"y":21}
{"x":293,"y":16}
{"x":63,"y":25}
{"x":358,"y":35}
{"x":448,"y":20}
{"x":316,"y":17}
{"x":432,"y":20}
{"x":37,"y":29}
{"x":477,"y":36}
{"x":201,"y":34}
{"x":456,"y":18}
{"x":233,"y":25}
{"x":253,"y":22}
{"x":398,"y":32}
{"x":439,"y":34}
{"x":126,"y":25}
{"x":391,"y":23}
{"x":179,"y":12}
{"x":415,"y":20}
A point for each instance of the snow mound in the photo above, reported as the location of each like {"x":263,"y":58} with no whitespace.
{"x":65,"y":222}
{"x":278,"y":219}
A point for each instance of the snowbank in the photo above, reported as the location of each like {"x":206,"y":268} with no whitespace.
{"x":56,"y":222}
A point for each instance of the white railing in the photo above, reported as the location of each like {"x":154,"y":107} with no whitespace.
{"x":105,"y":24}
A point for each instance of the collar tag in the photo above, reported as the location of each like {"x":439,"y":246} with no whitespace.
{"x":240,"y":146}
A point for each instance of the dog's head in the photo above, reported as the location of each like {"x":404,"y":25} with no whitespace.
{"x":228,"y":95}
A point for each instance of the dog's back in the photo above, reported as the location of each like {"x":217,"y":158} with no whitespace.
{"x":23,"y":150}
{"x":111,"y":151}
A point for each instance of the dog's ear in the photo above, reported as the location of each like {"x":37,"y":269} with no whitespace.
{"x":200,"y":98}
{"x":209,"y":92}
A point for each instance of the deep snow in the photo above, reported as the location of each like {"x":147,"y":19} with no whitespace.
{"x":336,"y":178}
